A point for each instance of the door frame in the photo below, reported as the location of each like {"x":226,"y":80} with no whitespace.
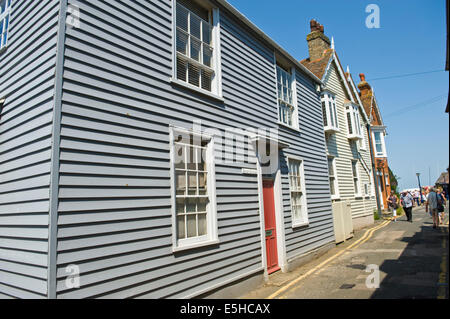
{"x":279,"y":220}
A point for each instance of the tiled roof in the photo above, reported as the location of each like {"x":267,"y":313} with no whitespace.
{"x":318,"y":66}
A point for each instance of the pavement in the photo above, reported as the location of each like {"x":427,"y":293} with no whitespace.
{"x":387,"y":260}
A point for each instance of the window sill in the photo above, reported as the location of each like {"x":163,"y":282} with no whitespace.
{"x":331,"y":130}
{"x":335,"y":197}
{"x":293,"y":128}
{"x":4,"y":48}
{"x":289,"y":127}
{"x":359,"y":196}
{"x":297,"y":225}
{"x":197,"y":89}
{"x":196,"y":245}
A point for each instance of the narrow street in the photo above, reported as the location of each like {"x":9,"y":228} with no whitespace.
{"x":412,"y":259}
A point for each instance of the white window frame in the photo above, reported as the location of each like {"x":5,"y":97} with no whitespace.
{"x":211,"y":236}
{"x":5,"y":22}
{"x":216,"y":82}
{"x":366,"y":189}
{"x":330,"y":108}
{"x":304,"y":219}
{"x":293,"y":90}
{"x":352,"y":114}
{"x":357,"y":178}
{"x":336,"y":194}
{"x":362,"y":141}
{"x":383,"y":146}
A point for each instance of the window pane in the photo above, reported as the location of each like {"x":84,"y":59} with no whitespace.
{"x":181,"y":69}
{"x":201,"y":164}
{"x":182,"y":42}
{"x":192,"y":182}
{"x":191,"y":160}
{"x":206,"y":80}
{"x":202,"y":224}
{"x":207,"y":33}
{"x":330,"y":166}
{"x":195,"y":26}
{"x":191,"y":225}
{"x":349,"y":121}
{"x":191,"y":205}
{"x":195,"y":49}
{"x":336,"y":124}
{"x":181,"y":226}
{"x":332,"y":190}
{"x":207,"y":55}
{"x":182,"y":18}
{"x":280,"y":91}
{"x":194,"y":75}
{"x":354,"y":169}
{"x":202,"y":183}
{"x":179,"y":159}
{"x":180,"y":177}
{"x":180,"y":206}
{"x":324,"y":114}
{"x":330,"y":110}
{"x":201,"y":205}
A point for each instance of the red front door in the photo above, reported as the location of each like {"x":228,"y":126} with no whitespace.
{"x":270,"y":227}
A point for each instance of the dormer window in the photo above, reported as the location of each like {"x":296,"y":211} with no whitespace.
{"x":353,"y":122}
{"x":329,"y":112}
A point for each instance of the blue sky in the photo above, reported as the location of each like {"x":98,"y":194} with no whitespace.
{"x":411,"y":39}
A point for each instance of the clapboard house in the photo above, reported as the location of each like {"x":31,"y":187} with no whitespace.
{"x":154,"y":149}
{"x":346,"y":130}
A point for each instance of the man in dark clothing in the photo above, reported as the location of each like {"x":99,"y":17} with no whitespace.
{"x":407,"y":203}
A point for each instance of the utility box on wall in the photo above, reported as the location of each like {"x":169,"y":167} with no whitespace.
{"x":342,"y":219}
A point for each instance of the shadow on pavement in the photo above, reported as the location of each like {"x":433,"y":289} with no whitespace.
{"x":416,"y":273}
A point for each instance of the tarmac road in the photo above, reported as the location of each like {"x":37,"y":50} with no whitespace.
{"x":412,"y":259}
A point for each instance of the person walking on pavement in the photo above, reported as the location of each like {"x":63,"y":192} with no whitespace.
{"x":441,"y":206}
{"x":432,"y":204}
{"x":393,"y":205}
{"x":416,"y":196}
{"x":407,"y":203}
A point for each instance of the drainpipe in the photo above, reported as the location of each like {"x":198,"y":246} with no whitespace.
{"x":375,"y":176}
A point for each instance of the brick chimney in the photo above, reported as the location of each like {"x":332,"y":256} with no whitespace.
{"x":365,"y":93}
{"x":318,"y":42}
{"x":364,"y":87}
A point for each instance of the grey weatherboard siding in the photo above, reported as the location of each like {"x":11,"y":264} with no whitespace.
{"x":27,"y":80}
{"x":114,"y":200}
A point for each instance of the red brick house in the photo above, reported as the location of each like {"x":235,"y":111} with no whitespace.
{"x":376,"y":141}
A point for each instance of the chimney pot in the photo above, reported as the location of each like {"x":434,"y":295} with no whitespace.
{"x":318,"y":42}
{"x":362,"y":77}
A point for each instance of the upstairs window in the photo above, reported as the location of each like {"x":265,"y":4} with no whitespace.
{"x":353,"y":122}
{"x":378,"y":139}
{"x":362,"y":141}
{"x":298,"y":196}
{"x":195,"y":60}
{"x":286,"y":97}
{"x":329,"y":112}
{"x":5,"y":13}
